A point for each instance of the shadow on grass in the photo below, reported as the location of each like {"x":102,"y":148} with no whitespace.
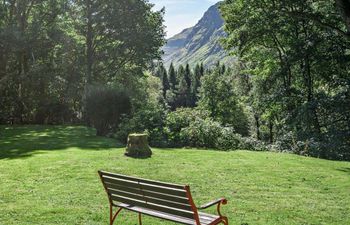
{"x":24,"y":141}
{"x":345,"y":169}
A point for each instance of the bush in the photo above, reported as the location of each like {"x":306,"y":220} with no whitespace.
{"x":194,"y":128}
{"x":184,"y":127}
{"x":148,"y":119}
{"x":202,"y":133}
{"x":229,"y":139}
{"x":179,"y":120}
{"x":104,"y":108}
{"x":54,"y":112}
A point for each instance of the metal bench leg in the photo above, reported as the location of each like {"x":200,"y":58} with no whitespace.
{"x":225,"y":220}
{"x":111,"y":216}
{"x":140,"y":219}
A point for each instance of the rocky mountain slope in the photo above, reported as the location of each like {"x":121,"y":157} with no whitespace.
{"x":199,"y":43}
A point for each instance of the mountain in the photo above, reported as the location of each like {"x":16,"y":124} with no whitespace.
{"x":199,"y":43}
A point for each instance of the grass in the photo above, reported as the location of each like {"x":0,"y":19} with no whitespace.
{"x":48,"y":176}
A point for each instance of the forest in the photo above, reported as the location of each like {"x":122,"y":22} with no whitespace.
{"x":98,"y":63}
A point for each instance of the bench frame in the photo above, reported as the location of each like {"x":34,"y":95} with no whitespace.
{"x":219,"y":202}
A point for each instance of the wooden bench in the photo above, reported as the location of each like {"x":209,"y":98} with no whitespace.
{"x":158,"y":199}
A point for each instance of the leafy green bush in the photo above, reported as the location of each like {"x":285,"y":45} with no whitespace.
{"x":149,"y":113}
{"x":179,"y":120}
{"x":53,"y":111}
{"x":202,"y":133}
{"x":149,"y":119}
{"x":229,"y":139}
{"x":105,"y":106}
{"x":184,"y":127}
{"x":194,"y":128}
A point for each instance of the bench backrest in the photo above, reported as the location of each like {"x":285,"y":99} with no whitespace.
{"x":163,"y":197}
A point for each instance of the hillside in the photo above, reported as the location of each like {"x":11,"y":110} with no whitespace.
{"x":49,"y":173}
{"x":199,"y":43}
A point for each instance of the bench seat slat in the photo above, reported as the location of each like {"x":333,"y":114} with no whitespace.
{"x":205,"y":219}
{"x":147,"y":199}
{"x":159,"y":208}
{"x":172,"y":198}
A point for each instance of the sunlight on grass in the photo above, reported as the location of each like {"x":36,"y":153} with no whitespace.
{"x":59,"y":183}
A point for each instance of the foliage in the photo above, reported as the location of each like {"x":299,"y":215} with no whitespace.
{"x":50,"y":51}
{"x":178,"y":120}
{"x":297,"y":61}
{"x":148,"y":118}
{"x":218,"y":97}
{"x":53,"y":112}
{"x":195,"y":128}
{"x":105,"y":107}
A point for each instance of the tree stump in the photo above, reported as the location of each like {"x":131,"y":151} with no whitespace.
{"x":137,"y":146}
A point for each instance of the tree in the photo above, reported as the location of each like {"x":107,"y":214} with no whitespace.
{"x":32,"y":67}
{"x":187,"y":76}
{"x":51,"y":50}
{"x":288,"y":51}
{"x":172,"y":77}
{"x":113,"y":32}
{"x":196,"y":84}
{"x":218,"y":97}
{"x":344,"y":9}
{"x":105,"y":107}
{"x":165,"y":81}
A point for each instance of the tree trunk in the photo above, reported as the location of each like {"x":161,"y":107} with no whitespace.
{"x":89,"y":43}
{"x":344,"y":9}
{"x":137,"y":146}
{"x":22,"y":61}
{"x":310,"y":96}
{"x":257,"y":122}
{"x":271,"y":131}
{"x":3,"y":63}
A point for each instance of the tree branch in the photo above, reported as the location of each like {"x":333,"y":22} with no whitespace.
{"x":317,"y":20}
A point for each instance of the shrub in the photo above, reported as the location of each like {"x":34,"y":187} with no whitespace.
{"x":184,"y":127}
{"x":148,"y":119}
{"x":54,"y":112}
{"x":104,"y":108}
{"x":194,"y":128}
{"x":250,"y":143}
{"x":177,"y":121}
{"x":229,"y":139}
{"x":202,"y":133}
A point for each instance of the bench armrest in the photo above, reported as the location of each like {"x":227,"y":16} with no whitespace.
{"x":215,"y":202}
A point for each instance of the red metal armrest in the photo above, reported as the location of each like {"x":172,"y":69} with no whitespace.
{"x":219,"y":201}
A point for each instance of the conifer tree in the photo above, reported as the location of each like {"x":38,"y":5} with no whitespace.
{"x":172,"y":77}
{"x":187,"y":76}
{"x":195,"y":85}
{"x":165,"y":81}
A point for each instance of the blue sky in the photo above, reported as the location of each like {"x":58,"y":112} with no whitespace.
{"x":181,"y":14}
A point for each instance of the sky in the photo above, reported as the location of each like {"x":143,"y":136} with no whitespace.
{"x":181,"y":14}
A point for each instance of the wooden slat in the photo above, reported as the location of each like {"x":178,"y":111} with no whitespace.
{"x":205,"y":218}
{"x":146,"y":181}
{"x":134,"y":202}
{"x":161,"y":215}
{"x":144,"y":186}
{"x":164,"y":190}
{"x":147,"y":199}
{"x":119,"y":182}
{"x":172,"y":198}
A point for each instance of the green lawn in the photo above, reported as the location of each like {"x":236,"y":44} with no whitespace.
{"x":48,"y":175}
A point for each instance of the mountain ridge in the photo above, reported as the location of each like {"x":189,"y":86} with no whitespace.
{"x":200,"y":43}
